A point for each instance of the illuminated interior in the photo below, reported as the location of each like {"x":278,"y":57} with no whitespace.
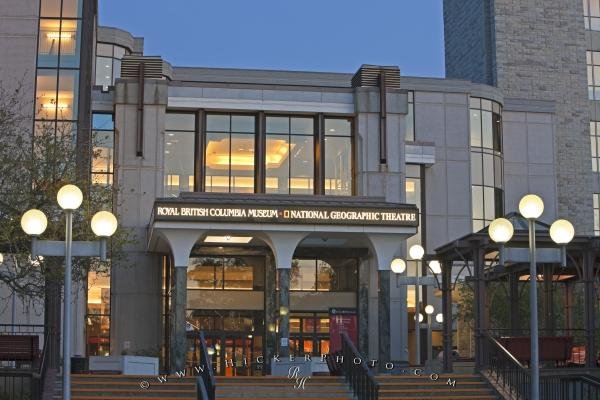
{"x":98,"y":314}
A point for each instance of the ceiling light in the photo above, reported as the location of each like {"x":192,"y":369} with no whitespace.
{"x":228,"y":239}
{"x":56,"y":35}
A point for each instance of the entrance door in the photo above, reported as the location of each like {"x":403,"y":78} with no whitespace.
{"x":234,"y":354}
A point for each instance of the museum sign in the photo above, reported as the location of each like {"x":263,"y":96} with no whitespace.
{"x":402,"y":215}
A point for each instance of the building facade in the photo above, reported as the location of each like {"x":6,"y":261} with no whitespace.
{"x":265,"y":204}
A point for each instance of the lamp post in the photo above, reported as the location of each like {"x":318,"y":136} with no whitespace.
{"x":398,"y":267}
{"x":429,"y":311}
{"x":34,"y":223}
{"x":501,"y":231}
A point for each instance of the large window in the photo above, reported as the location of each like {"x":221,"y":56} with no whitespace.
{"x":338,"y":156}
{"x":593,"y":73}
{"x":414,"y":189}
{"x":595,"y":145}
{"x":487,"y":194}
{"x":103,"y":149}
{"x":331,"y":275}
{"x":597,"y":214}
{"x":289,"y":155}
{"x":309,"y":333}
{"x":108,"y":63}
{"x":179,"y":151}
{"x":98,"y":314}
{"x":591,"y":13}
{"x":58,"y":59}
{"x":230,"y":152}
{"x":226,"y":273}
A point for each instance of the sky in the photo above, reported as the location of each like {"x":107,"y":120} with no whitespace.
{"x":312,"y":35}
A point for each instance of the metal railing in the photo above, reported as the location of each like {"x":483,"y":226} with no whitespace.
{"x":205,"y":383}
{"x":17,"y":382}
{"x":359,"y":376}
{"x":505,"y":369}
{"x":515,"y":379}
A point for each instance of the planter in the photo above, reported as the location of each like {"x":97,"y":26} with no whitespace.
{"x":126,"y":365}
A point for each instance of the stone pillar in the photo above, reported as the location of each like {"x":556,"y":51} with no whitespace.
{"x":178,"y":320}
{"x":270,"y":347}
{"x":284,"y":317}
{"x":363,"y":308}
{"x":447,"y":314}
{"x":384,"y":316}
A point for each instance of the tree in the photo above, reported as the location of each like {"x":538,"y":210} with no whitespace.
{"x":33,"y":167}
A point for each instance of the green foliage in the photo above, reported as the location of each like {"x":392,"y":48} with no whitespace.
{"x":33,"y":167}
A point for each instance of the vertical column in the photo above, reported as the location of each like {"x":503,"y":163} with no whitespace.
{"x":480,"y":297}
{"x":270,"y":313}
{"x":384,"y":316}
{"x":363,"y":307}
{"x":447,"y":313}
{"x":284,"y":311}
{"x":178,"y":321}
{"x":589,"y":299}
{"x":568,"y":305}
{"x":513,"y":301}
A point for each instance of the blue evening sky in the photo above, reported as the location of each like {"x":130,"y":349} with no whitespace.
{"x":315,"y":35}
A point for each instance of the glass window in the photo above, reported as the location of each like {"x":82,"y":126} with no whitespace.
{"x":103,"y":149}
{"x":331,"y":275}
{"x":226,"y":273}
{"x":46,"y":103}
{"x":410,"y":119}
{"x":338,"y":156}
{"x":593,"y":61}
{"x":104,"y":71}
{"x":48,"y":42}
{"x":179,"y":148}
{"x":68,"y":91}
{"x":595,"y":145}
{"x":98,"y":314}
{"x":230,"y":154}
{"x":486,"y":162}
{"x":71,"y":8}
{"x":413,"y":196}
{"x":237,"y":275}
{"x":597,"y":214}
{"x":50,"y":8}
{"x":70,"y":33}
{"x":591,"y":13}
{"x":202,"y":272}
{"x":289,"y":155}
{"x":303,"y":275}
{"x":108,"y":63}
{"x":103,"y":122}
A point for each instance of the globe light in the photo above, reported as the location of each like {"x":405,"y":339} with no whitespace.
{"x":429,"y":309}
{"x":501,"y":230}
{"x":531,"y":206}
{"x":439,"y":318}
{"x":34,"y":222}
{"x":1,"y":258}
{"x":104,"y":224}
{"x":217,"y":347}
{"x":69,"y":197}
{"x":562,"y":231}
{"x":210,"y":351}
{"x":398,"y":266}
{"x":284,"y":310}
{"x":435,"y":266}
{"x":416,"y":252}
{"x":420,"y":317}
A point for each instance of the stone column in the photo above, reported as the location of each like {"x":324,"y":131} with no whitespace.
{"x":363,"y":307}
{"x":384,"y":317}
{"x":284,"y":317}
{"x":270,"y":347}
{"x":178,"y":320}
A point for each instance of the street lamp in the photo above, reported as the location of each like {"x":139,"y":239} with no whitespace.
{"x":416,"y":252}
{"x":34,"y":223}
{"x":562,"y":232}
{"x":429,"y":311}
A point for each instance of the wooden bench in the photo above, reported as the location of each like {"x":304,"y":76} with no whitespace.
{"x":552,"y":348}
{"x":19,"y":348}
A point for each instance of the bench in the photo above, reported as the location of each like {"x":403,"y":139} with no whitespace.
{"x":551,"y":348}
{"x":19,"y":347}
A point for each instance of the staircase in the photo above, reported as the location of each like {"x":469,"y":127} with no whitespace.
{"x":279,"y":388}
{"x":124,"y":387}
{"x":467,"y":387}
{"x":121,"y":387}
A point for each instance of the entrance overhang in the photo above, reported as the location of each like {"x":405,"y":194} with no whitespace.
{"x":282,"y":222}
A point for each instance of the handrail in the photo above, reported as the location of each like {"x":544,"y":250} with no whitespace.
{"x":505,"y":369}
{"x":39,"y":376}
{"x":206,"y":378}
{"x":359,"y":376}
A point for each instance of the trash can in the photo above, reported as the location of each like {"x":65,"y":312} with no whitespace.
{"x":78,"y":365}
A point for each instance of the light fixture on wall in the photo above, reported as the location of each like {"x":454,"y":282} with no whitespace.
{"x":59,"y":35}
{"x":228,"y":239}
